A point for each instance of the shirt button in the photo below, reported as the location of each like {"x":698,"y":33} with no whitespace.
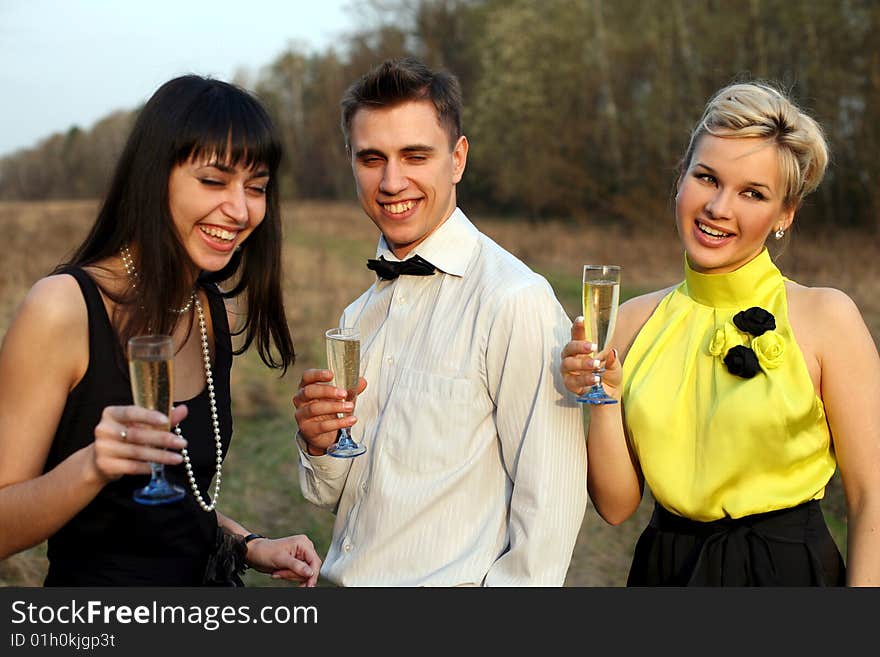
{"x":364,"y":485}
{"x":401,"y":299}
{"x":390,"y":360}
{"x":347,"y":547}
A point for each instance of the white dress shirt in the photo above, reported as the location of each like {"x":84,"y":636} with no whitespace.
{"x":475,"y":470}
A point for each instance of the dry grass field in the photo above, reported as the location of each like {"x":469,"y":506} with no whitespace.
{"x":325,"y":247}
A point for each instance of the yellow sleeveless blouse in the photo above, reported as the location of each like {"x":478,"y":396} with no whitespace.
{"x":712,"y":444}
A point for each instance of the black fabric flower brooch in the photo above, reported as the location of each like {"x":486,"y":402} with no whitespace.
{"x":749,"y":344}
{"x":755,"y":321}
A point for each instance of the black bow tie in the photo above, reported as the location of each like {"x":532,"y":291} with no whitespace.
{"x":391,"y":269}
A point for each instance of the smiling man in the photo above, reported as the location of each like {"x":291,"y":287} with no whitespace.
{"x":475,"y":466}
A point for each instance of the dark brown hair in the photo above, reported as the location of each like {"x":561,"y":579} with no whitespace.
{"x":397,"y":81}
{"x":189,"y":117}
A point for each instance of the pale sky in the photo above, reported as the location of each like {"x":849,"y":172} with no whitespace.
{"x":72,"y":62}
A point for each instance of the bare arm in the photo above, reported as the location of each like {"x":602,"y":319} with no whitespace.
{"x":614,"y":478}
{"x":850,"y":390}
{"x":44,"y":354}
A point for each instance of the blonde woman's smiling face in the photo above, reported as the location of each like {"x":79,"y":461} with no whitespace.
{"x":729,"y":200}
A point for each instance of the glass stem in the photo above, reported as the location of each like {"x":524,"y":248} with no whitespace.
{"x":157,"y":472}
{"x":344,"y":438}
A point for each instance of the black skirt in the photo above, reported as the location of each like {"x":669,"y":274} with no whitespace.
{"x":789,"y":547}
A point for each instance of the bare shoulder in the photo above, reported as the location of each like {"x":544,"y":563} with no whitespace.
{"x":51,"y":321}
{"x":637,"y":310}
{"x":634,"y":313}
{"x":645,"y":304}
{"x":824,"y":316}
{"x":56,"y":302}
{"x":826,"y":309}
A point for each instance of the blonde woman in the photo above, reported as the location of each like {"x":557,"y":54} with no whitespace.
{"x":742,"y":391}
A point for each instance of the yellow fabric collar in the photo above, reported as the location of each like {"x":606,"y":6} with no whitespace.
{"x":754,"y":280}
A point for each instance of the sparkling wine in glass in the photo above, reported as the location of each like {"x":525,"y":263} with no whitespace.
{"x":344,"y":360}
{"x":151,"y":367}
{"x":601,"y":298}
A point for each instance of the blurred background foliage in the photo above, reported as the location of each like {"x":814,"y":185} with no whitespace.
{"x":575,"y":109}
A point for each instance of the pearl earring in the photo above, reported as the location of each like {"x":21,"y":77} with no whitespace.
{"x":779,"y":233}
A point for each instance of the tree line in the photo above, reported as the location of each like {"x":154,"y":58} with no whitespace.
{"x":575,"y":109}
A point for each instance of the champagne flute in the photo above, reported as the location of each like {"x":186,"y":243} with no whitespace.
{"x":151,"y":368}
{"x":344,"y":361}
{"x":601,"y":298}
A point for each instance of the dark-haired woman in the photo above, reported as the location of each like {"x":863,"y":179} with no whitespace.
{"x":193,"y":204}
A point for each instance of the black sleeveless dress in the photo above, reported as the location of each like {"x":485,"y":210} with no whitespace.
{"x":115,"y":541}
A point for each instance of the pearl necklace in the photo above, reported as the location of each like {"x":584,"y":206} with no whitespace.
{"x":128,"y":263}
{"x":209,"y":380}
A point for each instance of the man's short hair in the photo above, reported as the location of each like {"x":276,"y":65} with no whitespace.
{"x":397,"y":81}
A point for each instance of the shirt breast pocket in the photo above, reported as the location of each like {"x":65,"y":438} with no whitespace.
{"x":431,"y":423}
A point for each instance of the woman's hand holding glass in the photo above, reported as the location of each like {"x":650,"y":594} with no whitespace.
{"x":581,"y":364}
{"x":129,"y":438}
{"x":318,"y":407}
{"x":601,"y":294}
